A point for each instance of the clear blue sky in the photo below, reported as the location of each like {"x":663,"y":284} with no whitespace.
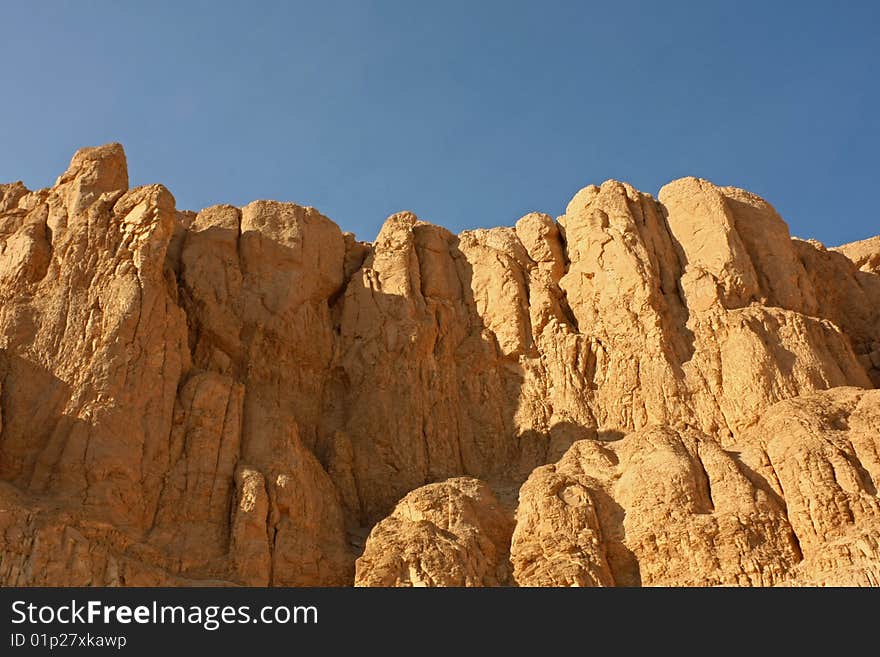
{"x":468,"y":113}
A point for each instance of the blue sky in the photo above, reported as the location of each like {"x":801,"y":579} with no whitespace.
{"x":468,"y":113}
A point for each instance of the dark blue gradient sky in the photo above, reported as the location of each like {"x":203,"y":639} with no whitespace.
{"x":468,"y":113}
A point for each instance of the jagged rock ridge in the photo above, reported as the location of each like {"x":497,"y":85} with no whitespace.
{"x":646,"y":391}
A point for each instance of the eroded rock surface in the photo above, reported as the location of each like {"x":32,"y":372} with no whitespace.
{"x":676,"y":391}
{"x":794,"y":503}
{"x":453,"y":533}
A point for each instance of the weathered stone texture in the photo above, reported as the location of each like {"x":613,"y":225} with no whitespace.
{"x":644,"y":391}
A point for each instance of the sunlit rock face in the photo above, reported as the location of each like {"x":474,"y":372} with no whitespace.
{"x":642,"y":391}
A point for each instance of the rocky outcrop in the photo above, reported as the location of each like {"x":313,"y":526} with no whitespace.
{"x":453,"y":533}
{"x":658,"y":507}
{"x":795,"y":503}
{"x":823,"y":455}
{"x":676,"y":391}
{"x":865,"y":254}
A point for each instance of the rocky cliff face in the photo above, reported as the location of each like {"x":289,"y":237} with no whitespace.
{"x":641,"y":392}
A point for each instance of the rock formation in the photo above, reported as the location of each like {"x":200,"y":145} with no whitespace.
{"x":644,"y":391}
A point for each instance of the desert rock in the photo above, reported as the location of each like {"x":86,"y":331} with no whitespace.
{"x":453,"y":533}
{"x":672,"y":390}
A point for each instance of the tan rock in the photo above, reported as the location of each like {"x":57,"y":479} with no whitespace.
{"x":453,"y":533}
{"x":558,"y":540}
{"x":658,"y":507}
{"x":824,"y":452}
{"x":795,"y":502}
{"x":850,"y":298}
{"x":865,"y":254}
{"x":238,"y":394}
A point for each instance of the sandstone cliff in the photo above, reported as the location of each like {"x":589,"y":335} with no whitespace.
{"x":643,"y":391}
